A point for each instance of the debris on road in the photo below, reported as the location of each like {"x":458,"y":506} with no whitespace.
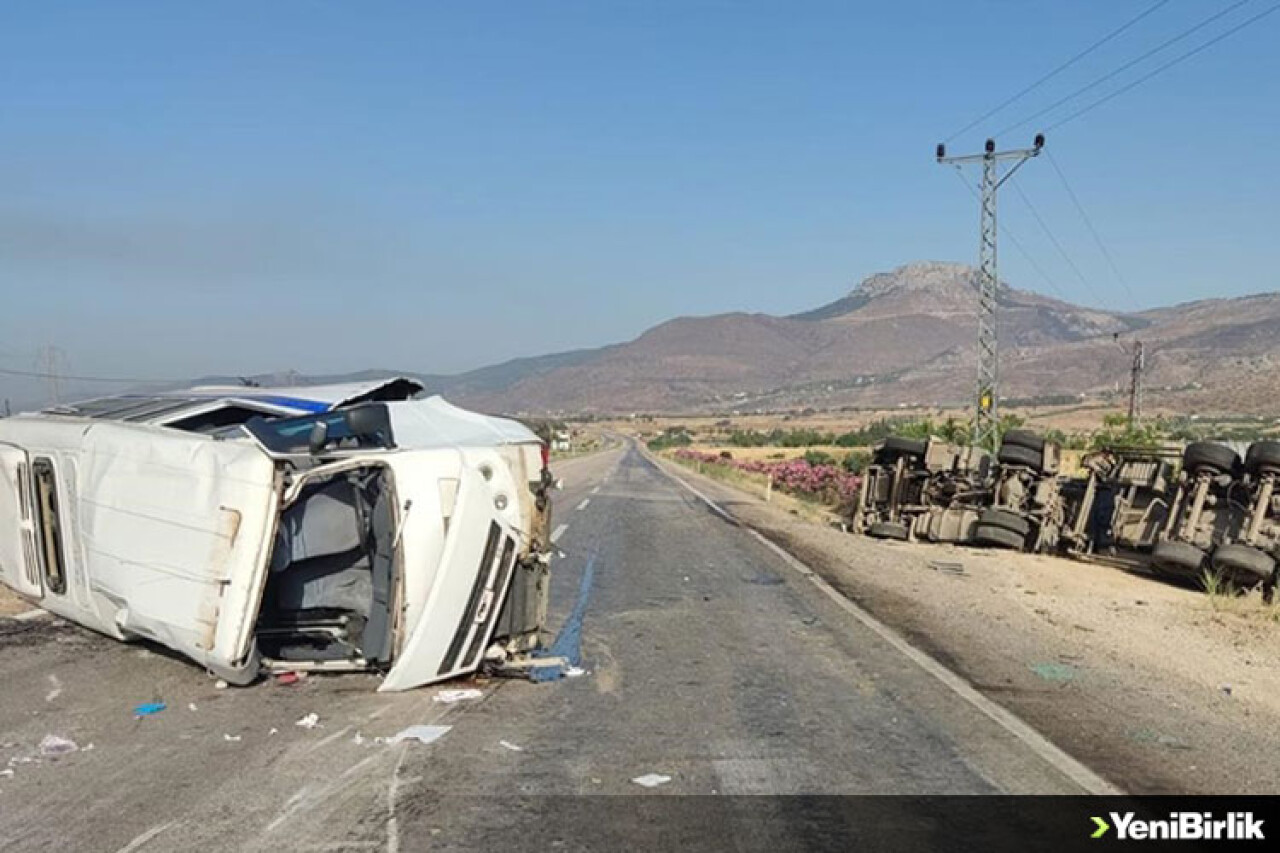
{"x":191,"y":706}
{"x":55,"y":688}
{"x":310,"y":721}
{"x":422,"y":734}
{"x":7,"y":773}
{"x":511,"y":746}
{"x":53,"y":745}
{"x":148,"y":709}
{"x":290,"y":677}
{"x":232,"y":738}
{"x":448,"y":697}
{"x":947,"y":566}
{"x":219,"y":685}
{"x":1054,"y":671}
{"x":1225,"y":688}
{"x":273,"y":731}
{"x":652,"y":780}
{"x":574,"y":672}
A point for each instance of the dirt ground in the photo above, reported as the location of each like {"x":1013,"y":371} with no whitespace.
{"x":1160,"y":689}
{"x":11,"y":604}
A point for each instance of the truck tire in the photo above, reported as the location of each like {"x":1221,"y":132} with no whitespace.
{"x":1179,"y":558}
{"x":1201,"y":455}
{"x":1023,"y":438}
{"x":889,"y":530}
{"x":1247,"y":566}
{"x":987,"y":534}
{"x":1005,"y":519}
{"x":904,"y":446}
{"x":1263,"y":456}
{"x":1016,"y":454}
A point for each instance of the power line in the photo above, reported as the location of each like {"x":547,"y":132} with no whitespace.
{"x":1054,"y":239}
{"x":59,"y":376}
{"x":1097,"y":238}
{"x":1111,"y":74}
{"x":1168,"y":65}
{"x":1017,"y":244}
{"x":1055,"y":72}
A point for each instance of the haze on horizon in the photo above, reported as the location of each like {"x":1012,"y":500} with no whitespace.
{"x":240,"y":188}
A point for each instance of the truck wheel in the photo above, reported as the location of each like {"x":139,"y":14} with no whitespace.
{"x":1023,"y":438}
{"x":1016,"y":454}
{"x":1263,"y":456}
{"x":986,"y":534}
{"x":889,"y":530}
{"x":1210,"y":455}
{"x":1178,"y":558}
{"x":1005,"y":519}
{"x":905,"y":446}
{"x":1247,"y":566}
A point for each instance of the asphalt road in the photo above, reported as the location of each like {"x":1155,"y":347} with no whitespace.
{"x":708,"y":659}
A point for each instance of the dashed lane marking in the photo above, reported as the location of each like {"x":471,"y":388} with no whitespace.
{"x":558,"y":532}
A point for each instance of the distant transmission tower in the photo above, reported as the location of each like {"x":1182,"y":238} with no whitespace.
{"x":51,"y":362}
{"x":986,"y":419}
{"x":1135,"y":385}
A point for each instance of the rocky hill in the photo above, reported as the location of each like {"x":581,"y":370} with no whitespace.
{"x":905,"y":336}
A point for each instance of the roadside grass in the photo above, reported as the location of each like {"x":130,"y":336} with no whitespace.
{"x":1219,"y":592}
{"x":1225,"y":597}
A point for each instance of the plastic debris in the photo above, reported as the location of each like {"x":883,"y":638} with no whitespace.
{"x":511,"y":746}
{"x":574,"y":672}
{"x":651,"y":780}
{"x":54,"y":745}
{"x":191,"y":706}
{"x":358,"y":740}
{"x":273,"y":731}
{"x":422,"y":734}
{"x":147,"y":709}
{"x":1054,"y":671}
{"x":290,"y":677}
{"x":232,"y":738}
{"x":310,"y":721}
{"x":947,"y":566}
{"x":448,"y":697}
{"x":219,"y":685}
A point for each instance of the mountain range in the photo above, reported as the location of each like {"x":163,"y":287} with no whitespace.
{"x":902,"y":337}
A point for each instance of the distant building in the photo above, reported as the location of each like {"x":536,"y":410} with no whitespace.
{"x":560,"y":440}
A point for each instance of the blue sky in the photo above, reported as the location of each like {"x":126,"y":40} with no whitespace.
{"x":188,"y":188}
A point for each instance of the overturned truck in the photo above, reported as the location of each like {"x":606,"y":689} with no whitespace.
{"x":402,"y":536}
{"x":923,"y":489}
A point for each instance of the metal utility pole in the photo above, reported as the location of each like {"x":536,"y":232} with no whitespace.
{"x":1135,"y":385}
{"x":50,"y":361}
{"x":986,"y":420}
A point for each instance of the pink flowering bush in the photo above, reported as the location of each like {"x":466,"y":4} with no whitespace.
{"x":828,"y":483}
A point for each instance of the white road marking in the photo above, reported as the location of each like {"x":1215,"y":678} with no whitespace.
{"x":137,"y":843}
{"x":393,"y":792}
{"x":55,"y":688}
{"x":31,"y":614}
{"x":584,"y":503}
{"x":558,"y":532}
{"x":1006,"y":719}
{"x":596,"y":490}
